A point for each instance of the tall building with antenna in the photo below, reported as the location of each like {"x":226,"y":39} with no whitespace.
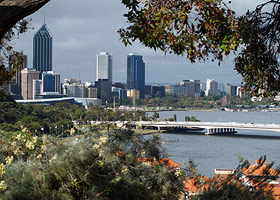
{"x":42,"y":49}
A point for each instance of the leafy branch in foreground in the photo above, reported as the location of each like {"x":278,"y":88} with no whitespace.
{"x":258,"y":62}
{"x":198,"y":28}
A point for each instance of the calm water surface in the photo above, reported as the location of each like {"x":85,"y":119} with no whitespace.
{"x":210,"y":152}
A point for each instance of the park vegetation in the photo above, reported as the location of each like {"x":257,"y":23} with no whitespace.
{"x":202,"y":103}
{"x":101,"y":164}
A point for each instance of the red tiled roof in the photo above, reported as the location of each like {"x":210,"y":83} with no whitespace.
{"x":196,"y":184}
{"x":168,"y":163}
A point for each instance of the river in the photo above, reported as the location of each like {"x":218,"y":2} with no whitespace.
{"x":210,"y":152}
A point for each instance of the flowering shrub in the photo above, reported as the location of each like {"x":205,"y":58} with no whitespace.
{"x":97,"y":166}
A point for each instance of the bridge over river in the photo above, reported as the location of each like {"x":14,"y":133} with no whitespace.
{"x":209,"y":128}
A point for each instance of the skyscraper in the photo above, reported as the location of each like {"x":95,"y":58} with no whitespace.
{"x":136,"y":73}
{"x":42,"y":49}
{"x":104,"y":66}
{"x":27,"y":77}
{"x":211,"y":88}
{"x":48,"y":82}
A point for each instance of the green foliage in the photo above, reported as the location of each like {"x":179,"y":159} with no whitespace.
{"x":191,"y":119}
{"x":196,"y":28}
{"x":95,"y":167}
{"x":155,"y":116}
{"x":6,"y":74}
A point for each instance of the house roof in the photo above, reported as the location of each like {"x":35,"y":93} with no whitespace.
{"x":168,"y":163}
{"x":196,"y":184}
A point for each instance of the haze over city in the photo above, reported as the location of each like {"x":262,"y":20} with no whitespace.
{"x":83,"y":29}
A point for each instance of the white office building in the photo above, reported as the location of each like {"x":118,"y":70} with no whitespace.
{"x":104,"y":63}
{"x":211,"y":88}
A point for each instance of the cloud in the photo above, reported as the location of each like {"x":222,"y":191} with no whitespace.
{"x":82,"y":29}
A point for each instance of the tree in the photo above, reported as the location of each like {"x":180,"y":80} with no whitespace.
{"x":12,"y":24}
{"x":258,"y":61}
{"x":203,"y":29}
{"x":12,"y":11}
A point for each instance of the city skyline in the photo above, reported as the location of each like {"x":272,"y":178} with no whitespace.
{"x":80,"y":35}
{"x":42,"y":49}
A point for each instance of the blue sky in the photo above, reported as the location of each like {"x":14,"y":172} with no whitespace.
{"x":81,"y":29}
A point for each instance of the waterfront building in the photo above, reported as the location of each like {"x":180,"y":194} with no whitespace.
{"x":158,"y":91}
{"x":229,"y":90}
{"x":197,"y":88}
{"x":133,"y":94}
{"x":27,"y":77}
{"x":148,"y":90}
{"x":178,"y":89}
{"x":42,"y":49}
{"x":104,"y":62}
{"x":211,"y":88}
{"x":167,"y":89}
{"x":190,"y":87}
{"x":136,"y":73}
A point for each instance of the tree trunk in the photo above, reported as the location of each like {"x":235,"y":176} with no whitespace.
{"x":12,"y":11}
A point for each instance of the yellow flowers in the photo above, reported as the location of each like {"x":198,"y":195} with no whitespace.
{"x":2,"y":169}
{"x":124,"y":170}
{"x":103,"y":139}
{"x":75,"y":184}
{"x":178,"y":172}
{"x":3,"y":185}
{"x":9,"y":160}
{"x":39,"y":156}
{"x":96,"y":146}
{"x":30,"y":145}
{"x":52,"y":159}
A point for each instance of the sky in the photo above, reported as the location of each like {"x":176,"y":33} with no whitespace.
{"x":81,"y":29}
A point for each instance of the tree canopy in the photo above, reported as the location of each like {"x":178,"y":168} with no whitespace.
{"x":209,"y":29}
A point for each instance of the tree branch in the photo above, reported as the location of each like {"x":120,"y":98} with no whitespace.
{"x":13,"y":11}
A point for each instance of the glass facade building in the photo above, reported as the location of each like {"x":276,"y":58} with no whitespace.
{"x":136,"y":73}
{"x":42,"y":49}
{"x":48,"y":80}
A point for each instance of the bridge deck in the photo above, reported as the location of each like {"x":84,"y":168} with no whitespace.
{"x":209,"y":125}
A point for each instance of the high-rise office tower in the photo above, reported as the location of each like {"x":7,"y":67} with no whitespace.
{"x":51,"y":82}
{"x":48,"y":82}
{"x":42,"y":49}
{"x":211,"y":88}
{"x":136,"y":73}
{"x":27,"y":77}
{"x":104,"y":66}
